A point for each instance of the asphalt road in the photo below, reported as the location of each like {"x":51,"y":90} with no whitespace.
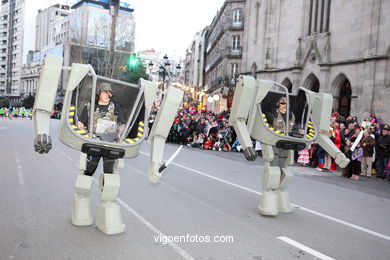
{"x":203,"y":195}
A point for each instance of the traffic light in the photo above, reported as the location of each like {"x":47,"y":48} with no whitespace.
{"x":134,"y":60}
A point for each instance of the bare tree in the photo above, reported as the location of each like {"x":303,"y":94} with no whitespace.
{"x":93,"y":44}
{"x":230,"y":81}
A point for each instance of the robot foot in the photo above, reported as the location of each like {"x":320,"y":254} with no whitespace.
{"x":109,"y":218}
{"x":268,"y":204}
{"x":81,"y":211}
{"x":284,"y":204}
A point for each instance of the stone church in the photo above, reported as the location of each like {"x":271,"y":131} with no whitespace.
{"x":335,"y":46}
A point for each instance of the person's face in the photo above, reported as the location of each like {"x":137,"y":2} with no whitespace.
{"x":385,"y":131}
{"x":342,"y":126}
{"x":348,"y":142}
{"x":282,"y":106}
{"x":105,"y":96}
{"x":357,"y":131}
{"x":365,"y":133}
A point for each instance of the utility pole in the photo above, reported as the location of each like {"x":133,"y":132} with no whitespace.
{"x":114,"y":12}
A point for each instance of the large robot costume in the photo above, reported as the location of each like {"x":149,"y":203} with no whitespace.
{"x":253,"y":101}
{"x":136,"y":102}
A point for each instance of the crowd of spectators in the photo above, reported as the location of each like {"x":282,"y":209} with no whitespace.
{"x":366,"y":144}
{"x":210,"y":131}
{"x":15,"y":112}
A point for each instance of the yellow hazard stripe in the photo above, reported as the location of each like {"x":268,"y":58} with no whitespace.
{"x":81,"y":131}
{"x":129,"y":140}
{"x":141,"y":123}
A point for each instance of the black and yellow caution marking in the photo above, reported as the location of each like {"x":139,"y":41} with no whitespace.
{"x":310,"y":133}
{"x":140,"y":133}
{"x":82,"y":132}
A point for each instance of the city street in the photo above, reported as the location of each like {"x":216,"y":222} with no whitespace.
{"x":203,"y":194}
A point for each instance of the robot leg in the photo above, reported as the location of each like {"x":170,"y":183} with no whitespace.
{"x":108,"y":213}
{"x":270,"y":181}
{"x":284,"y":204}
{"x":81,"y":208}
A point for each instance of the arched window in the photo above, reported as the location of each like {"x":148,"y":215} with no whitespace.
{"x":288,"y":84}
{"x":342,"y":95}
{"x":312,"y":83}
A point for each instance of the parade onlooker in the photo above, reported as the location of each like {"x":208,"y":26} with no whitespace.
{"x":382,"y":148}
{"x":347,"y":171}
{"x":357,"y":155}
{"x":303,"y":157}
{"x":366,"y":123}
{"x":367,"y":143}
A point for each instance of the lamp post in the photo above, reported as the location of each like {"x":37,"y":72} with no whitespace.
{"x":164,"y":71}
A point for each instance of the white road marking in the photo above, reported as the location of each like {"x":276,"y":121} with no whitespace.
{"x":295,"y":205}
{"x":305,"y":248}
{"x":175,"y":247}
{"x":19,"y":169}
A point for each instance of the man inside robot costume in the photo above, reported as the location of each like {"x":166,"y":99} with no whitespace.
{"x":278,"y":117}
{"x":102,"y":129}
{"x":108,"y":124}
{"x":251,"y":119}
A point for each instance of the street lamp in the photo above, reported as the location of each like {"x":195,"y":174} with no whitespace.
{"x":164,"y":70}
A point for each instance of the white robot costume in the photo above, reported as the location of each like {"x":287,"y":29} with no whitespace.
{"x":136,"y":102}
{"x":253,"y":100}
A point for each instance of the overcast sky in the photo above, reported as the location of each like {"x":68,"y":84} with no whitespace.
{"x":165,"y":25}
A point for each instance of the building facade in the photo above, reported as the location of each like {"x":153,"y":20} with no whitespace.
{"x":90,"y":24}
{"x":30,"y":75}
{"x":195,"y":57}
{"x":334,"y":46}
{"x":223,"y":54}
{"x":50,"y":26}
{"x":11,"y":46}
{"x":51,"y":30}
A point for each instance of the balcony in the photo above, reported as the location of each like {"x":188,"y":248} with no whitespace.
{"x":220,"y":54}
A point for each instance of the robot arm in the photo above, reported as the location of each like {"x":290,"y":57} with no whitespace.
{"x":242,"y":105}
{"x":321,"y":117}
{"x":325,"y":142}
{"x":160,"y":130}
{"x":44,"y":102}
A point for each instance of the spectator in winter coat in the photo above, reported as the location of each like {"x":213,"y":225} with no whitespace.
{"x":382,"y":149}
{"x":368,"y":144}
{"x":356,"y":162}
